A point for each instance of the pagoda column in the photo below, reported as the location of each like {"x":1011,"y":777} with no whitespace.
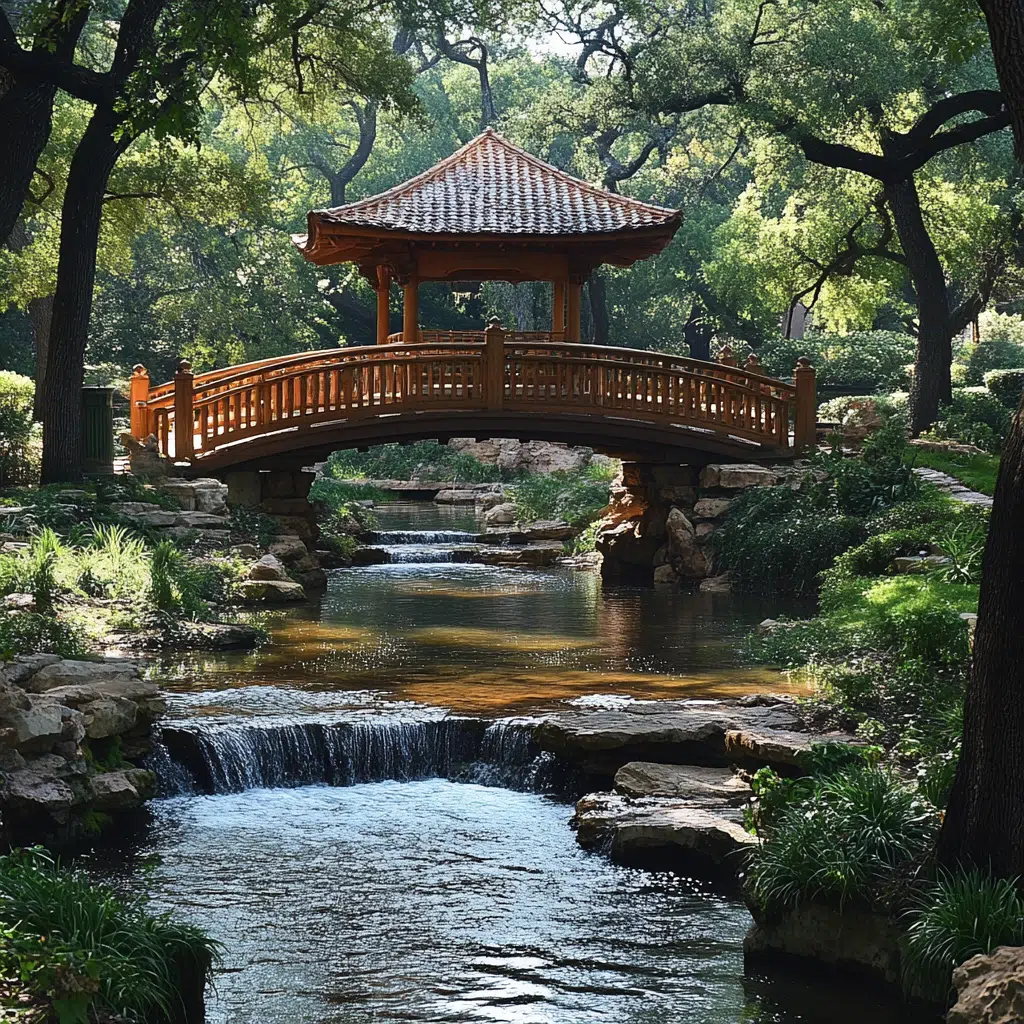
{"x":383,"y":305}
{"x":573,"y":326}
{"x":558,"y":307}
{"x":410,"y":310}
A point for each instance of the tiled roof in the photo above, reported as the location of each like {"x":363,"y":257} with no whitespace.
{"x":491,"y":186}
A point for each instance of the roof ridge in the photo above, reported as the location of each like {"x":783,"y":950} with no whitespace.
{"x":492,"y":133}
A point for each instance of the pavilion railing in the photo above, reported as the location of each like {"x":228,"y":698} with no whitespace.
{"x":495,"y":370}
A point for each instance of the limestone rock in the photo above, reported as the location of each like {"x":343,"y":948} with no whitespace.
{"x":24,"y":666}
{"x":115,"y":791}
{"x":665,"y":576}
{"x":19,"y":603}
{"x":69,"y":672}
{"x":200,"y":521}
{"x":247,"y":551}
{"x":711,"y":508}
{"x":990,"y":988}
{"x":852,"y":938}
{"x":548,"y":529}
{"x":455,"y":496}
{"x":511,"y":455}
{"x":271,"y":592}
{"x":501,"y":515}
{"x":690,"y":782}
{"x":146,"y":514}
{"x":488,"y":500}
{"x":109,"y":716}
{"x":200,"y":537}
{"x":288,"y":548}
{"x":539,"y":554}
{"x":716,"y":585}
{"x":269,"y":567}
{"x":210,"y":496}
{"x":736,"y":477}
{"x":36,"y":728}
{"x":686,"y":556}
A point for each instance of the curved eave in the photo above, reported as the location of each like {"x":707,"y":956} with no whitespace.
{"x":329,"y":242}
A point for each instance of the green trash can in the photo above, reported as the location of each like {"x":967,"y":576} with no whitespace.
{"x":98,"y":429}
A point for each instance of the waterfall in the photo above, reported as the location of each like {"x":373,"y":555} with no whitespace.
{"x":416,"y":554}
{"x":203,"y":757}
{"x":389,"y":537}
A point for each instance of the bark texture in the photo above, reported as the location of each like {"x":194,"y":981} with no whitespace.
{"x":598,"y":294}
{"x":984,"y":823}
{"x":1006,"y":29}
{"x":932,"y":384}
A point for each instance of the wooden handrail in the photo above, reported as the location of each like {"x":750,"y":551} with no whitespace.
{"x":480,"y":372}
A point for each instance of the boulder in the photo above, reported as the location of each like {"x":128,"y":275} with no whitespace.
{"x":990,"y":988}
{"x":69,"y":672}
{"x":689,"y":782}
{"x":853,"y":939}
{"x":686,"y":556}
{"x":488,"y":500}
{"x":210,"y":496}
{"x":146,"y":514}
{"x":911,"y":564}
{"x":736,"y":477}
{"x":655,"y":832}
{"x":455,"y":496}
{"x":19,"y":603}
{"x":200,"y":521}
{"x":248,"y":551}
{"x":548,"y":529}
{"x":24,"y":666}
{"x":711,"y":508}
{"x":32,"y":792}
{"x":271,"y":592}
{"x":665,"y":576}
{"x":36,"y":728}
{"x":117,"y":791}
{"x":269,"y":567}
{"x":288,"y":547}
{"x":716,"y":585}
{"x":501,"y":515}
{"x":539,"y":554}
{"x":109,"y":716}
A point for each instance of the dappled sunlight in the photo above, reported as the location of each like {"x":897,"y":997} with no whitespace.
{"x":498,"y":640}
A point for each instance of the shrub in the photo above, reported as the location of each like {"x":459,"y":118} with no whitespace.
{"x":251,"y":526}
{"x":1007,"y":386}
{"x":990,"y":354}
{"x":778,"y":539}
{"x":963,"y":914}
{"x":893,"y":404}
{"x":854,"y":836}
{"x":575,"y":497}
{"x":870,"y":360}
{"x":975,"y":416}
{"x":178,"y":585}
{"x":84,"y":947}
{"x":32,"y":633}
{"x":424,"y":460}
{"x":18,"y":464}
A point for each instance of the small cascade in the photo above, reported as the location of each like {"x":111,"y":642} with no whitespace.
{"x":417,"y":554}
{"x":211,"y":758}
{"x":419,"y":547}
{"x":391,"y":537}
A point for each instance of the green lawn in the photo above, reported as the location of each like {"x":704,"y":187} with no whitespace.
{"x":975,"y":471}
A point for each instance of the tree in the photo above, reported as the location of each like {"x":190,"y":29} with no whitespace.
{"x":1006,"y":28}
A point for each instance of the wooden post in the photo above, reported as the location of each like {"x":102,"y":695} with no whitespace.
{"x":558,"y":309}
{"x":573,"y":328}
{"x":494,"y":364}
{"x":138,"y":396}
{"x":183,"y":412}
{"x":806,"y":415}
{"x":410,"y":311}
{"x":383,"y":305}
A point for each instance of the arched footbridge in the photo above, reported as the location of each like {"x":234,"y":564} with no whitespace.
{"x":643,"y":406}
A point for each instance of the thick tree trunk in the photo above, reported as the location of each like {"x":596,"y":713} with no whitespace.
{"x":598,"y":293}
{"x":1006,"y":29}
{"x":932,"y":385}
{"x":94,"y":159}
{"x":697,"y":333}
{"x":26,"y":117}
{"x":40,"y":313}
{"x":984,"y":822}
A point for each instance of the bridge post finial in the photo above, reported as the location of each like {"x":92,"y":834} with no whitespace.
{"x":494,"y":364}
{"x":138,"y":399}
{"x":183,"y":413}
{"x":805,"y":422}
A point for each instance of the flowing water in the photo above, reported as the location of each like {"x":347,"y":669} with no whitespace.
{"x":357,"y":813}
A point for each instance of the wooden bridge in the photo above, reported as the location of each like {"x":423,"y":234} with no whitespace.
{"x":642,"y":406}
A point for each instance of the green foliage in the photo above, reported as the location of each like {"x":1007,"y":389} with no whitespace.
{"x":424,"y":460}
{"x":963,"y":914}
{"x":988,"y":355}
{"x":975,"y":416}
{"x":251,"y":526}
{"x":869,"y":360}
{"x":1007,"y":386}
{"x":18,"y":460}
{"x":845,"y":408}
{"x":578,"y":498}
{"x":179,"y":585}
{"x":340,"y":509}
{"x":32,"y":633}
{"x":854,"y":837}
{"x":963,"y":545}
{"x":82,"y":946}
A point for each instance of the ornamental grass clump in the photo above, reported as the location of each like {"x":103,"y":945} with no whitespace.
{"x":84,"y":948}
{"x":855,"y":837}
{"x":962,"y":914}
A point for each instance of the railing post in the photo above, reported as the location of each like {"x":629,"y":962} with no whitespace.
{"x":494,"y":364}
{"x":806,"y":414}
{"x":138,"y":397}
{"x":183,"y":415}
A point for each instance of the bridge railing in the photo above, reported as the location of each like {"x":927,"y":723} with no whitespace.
{"x":491,"y":371}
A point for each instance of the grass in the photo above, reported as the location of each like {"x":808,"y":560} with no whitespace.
{"x":85,"y":948}
{"x":576,"y":498}
{"x":978,"y":472}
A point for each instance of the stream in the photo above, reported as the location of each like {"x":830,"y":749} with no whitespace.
{"x":356,"y":813}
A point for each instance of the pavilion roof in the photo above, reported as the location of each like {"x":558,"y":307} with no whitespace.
{"x":491,"y":187}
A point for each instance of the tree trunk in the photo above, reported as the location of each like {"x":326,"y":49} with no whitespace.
{"x":984,"y":823}
{"x":1006,"y":28}
{"x":697,"y":333}
{"x":26,"y":117}
{"x":94,"y":159}
{"x":598,"y":292}
{"x":932,"y":385}
{"x":40,"y":313}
